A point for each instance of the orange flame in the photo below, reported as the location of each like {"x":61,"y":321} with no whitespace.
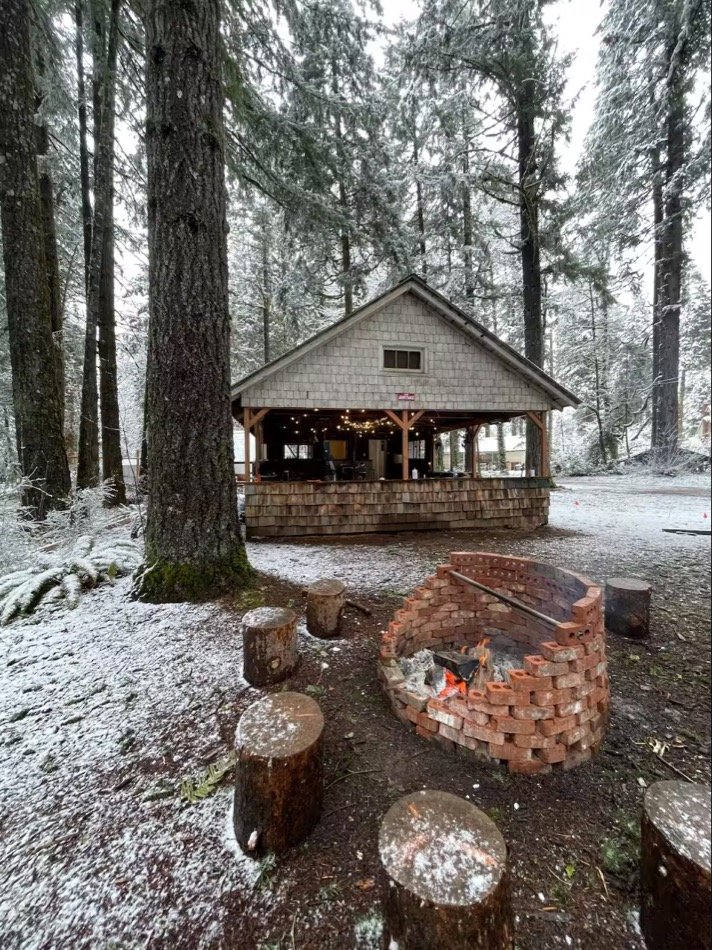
{"x":453,"y":684}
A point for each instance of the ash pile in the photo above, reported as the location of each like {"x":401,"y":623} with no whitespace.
{"x":442,"y":672}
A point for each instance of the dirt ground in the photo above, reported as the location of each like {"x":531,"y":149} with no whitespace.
{"x":107,"y":710}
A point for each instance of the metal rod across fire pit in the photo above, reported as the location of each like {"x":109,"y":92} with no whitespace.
{"x":517,"y":604}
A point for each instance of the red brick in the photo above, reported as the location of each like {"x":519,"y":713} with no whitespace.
{"x":450,"y":733}
{"x":412,"y":713}
{"x":457,"y":706}
{"x":537,"y":741}
{"x":557,"y":753}
{"x":511,"y":752}
{"x":425,"y":722}
{"x":477,"y":700}
{"x":596,"y":645}
{"x":437,"y":710}
{"x":587,"y":663}
{"x":571,"y":709}
{"x":552,"y":727}
{"x":426,"y":733}
{"x":597,"y":671}
{"x":568,"y":633}
{"x":576,"y":734}
{"x":479,"y":718}
{"x":533,"y":712}
{"x":551,"y":697}
{"x":538,"y":666}
{"x":581,"y":692}
{"x":558,"y":653}
{"x":499,"y":694}
{"x":508,"y":724}
{"x":474,"y":745}
{"x":484,"y":733}
{"x":585,"y":716}
{"x":521,"y":680}
{"x":569,"y":679}
{"x":529,"y":767}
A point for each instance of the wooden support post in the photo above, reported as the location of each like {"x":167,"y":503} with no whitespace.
{"x":405,"y":423}
{"x":476,"y":450}
{"x":246,"y":425}
{"x":250,"y":419}
{"x":539,"y":420}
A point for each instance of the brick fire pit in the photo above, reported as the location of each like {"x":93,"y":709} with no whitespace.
{"x":550,"y":706}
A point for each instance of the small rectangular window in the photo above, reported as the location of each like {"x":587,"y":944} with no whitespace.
{"x":298,"y":451}
{"x":403,"y":359}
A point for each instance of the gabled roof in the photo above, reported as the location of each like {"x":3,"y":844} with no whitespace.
{"x":447,"y":311}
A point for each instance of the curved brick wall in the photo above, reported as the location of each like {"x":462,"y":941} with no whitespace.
{"x":553,"y":710}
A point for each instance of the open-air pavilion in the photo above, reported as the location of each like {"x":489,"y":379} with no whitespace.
{"x":361,"y":403}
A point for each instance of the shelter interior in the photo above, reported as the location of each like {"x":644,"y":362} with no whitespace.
{"x":363,"y":444}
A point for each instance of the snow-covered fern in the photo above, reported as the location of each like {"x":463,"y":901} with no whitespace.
{"x":56,"y":576}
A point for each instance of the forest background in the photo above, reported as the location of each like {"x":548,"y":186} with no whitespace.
{"x":545,"y":165}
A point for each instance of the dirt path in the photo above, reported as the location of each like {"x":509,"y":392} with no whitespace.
{"x":106,"y":710}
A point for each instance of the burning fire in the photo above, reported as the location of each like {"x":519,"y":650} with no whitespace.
{"x":453,"y":683}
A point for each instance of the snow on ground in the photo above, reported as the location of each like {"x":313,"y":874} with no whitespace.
{"x":105,"y":709}
{"x":623,"y":514}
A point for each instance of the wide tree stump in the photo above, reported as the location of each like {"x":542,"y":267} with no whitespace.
{"x":278,"y":775}
{"x":628,"y":606}
{"x":444,"y":876}
{"x":676,"y":895}
{"x":325,"y":604}
{"x":269,"y":645}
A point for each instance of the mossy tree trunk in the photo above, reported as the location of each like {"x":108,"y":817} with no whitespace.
{"x":193,"y":544}
{"x":36,"y":393}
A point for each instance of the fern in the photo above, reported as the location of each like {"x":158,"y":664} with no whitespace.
{"x":54,"y":578}
{"x":207,"y":785}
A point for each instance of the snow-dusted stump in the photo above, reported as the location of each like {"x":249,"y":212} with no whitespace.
{"x":628,"y":606}
{"x":676,"y":895}
{"x":270,"y":645}
{"x":278,"y":776}
{"x":325,"y":604}
{"x":444,"y":875}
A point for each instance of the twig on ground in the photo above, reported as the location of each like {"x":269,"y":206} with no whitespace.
{"x":674,"y":768}
{"x":349,"y":772}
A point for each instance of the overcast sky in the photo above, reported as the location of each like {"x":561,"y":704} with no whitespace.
{"x":576,"y":22}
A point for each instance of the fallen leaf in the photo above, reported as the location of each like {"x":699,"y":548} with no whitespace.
{"x":366,"y":884}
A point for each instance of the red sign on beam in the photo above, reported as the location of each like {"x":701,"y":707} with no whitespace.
{"x":405,"y":397}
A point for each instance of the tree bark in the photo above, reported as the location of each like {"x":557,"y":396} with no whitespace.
{"x":279,"y":776}
{"x":674,"y":868}
{"x":419,"y":202}
{"x":432,"y":846}
{"x":193,"y":545}
{"x":49,"y":232}
{"x":111,"y":454}
{"x":104,"y":91}
{"x":530,"y":248}
{"x":36,"y":395}
{"x":83,"y":148}
{"x":658,"y":216}
{"x":672,"y":267}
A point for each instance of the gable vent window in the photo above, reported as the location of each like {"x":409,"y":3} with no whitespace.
{"x":403,"y":359}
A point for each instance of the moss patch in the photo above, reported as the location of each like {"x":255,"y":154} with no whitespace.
{"x":162,"y":581}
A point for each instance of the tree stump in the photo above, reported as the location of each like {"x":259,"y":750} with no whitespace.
{"x":444,"y":876}
{"x":325,"y":603}
{"x":269,"y":645}
{"x":278,"y":775}
{"x":676,"y":894}
{"x":628,"y":606}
